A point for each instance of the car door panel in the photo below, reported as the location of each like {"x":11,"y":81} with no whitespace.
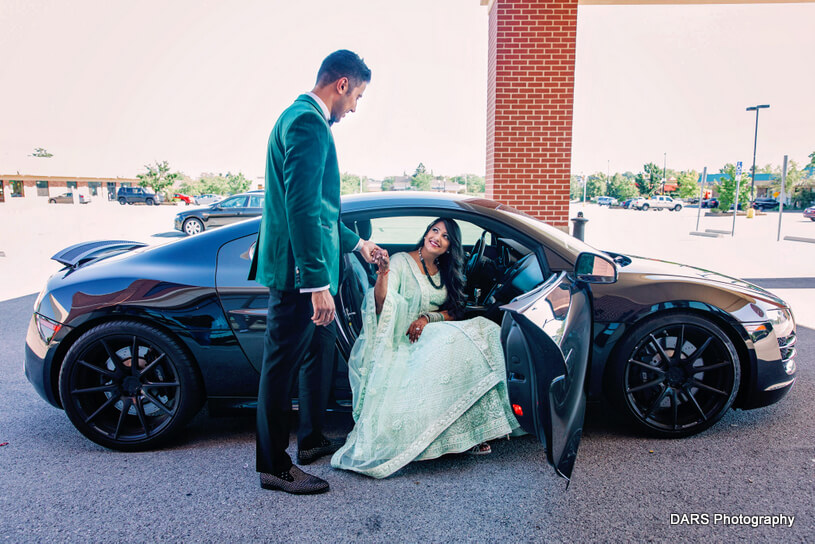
{"x":546,"y":335}
{"x":226,"y":212}
{"x":245,"y":302}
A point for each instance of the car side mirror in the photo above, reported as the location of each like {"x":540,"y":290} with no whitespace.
{"x":593,"y":268}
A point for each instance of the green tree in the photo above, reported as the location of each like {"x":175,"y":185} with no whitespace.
{"x":421,"y":182}
{"x":210,"y":183}
{"x":595,"y":185}
{"x":420,"y":169}
{"x":475,"y":184}
{"x":236,"y":183}
{"x":387,"y":184}
{"x":350,"y":184}
{"x":158,"y":176}
{"x":811,"y":160}
{"x":727,"y":188}
{"x":649,"y":181}
{"x":622,"y":188}
{"x":687,"y":184}
{"x":795,"y":177}
{"x":575,"y":188}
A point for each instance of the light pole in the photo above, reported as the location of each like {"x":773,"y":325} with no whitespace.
{"x":664,"y":170}
{"x":755,"y":141}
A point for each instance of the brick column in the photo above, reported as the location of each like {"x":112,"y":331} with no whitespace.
{"x":530,"y":95}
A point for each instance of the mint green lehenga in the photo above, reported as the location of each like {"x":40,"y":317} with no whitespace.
{"x":443,"y":394}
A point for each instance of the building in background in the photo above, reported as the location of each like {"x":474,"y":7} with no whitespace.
{"x":35,"y":187}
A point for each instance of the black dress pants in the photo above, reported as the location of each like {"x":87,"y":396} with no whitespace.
{"x":292,"y":343}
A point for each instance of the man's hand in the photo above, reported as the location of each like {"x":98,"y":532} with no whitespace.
{"x":368,"y":249}
{"x":323,"y":305}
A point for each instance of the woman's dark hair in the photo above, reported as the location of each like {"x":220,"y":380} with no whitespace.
{"x":451,"y":266}
{"x":344,"y":63}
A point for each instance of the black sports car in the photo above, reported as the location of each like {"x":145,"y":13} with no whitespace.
{"x":131,"y":340}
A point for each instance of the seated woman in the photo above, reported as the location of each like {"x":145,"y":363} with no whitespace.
{"x":424,"y":383}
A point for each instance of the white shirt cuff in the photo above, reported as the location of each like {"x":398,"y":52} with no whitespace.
{"x":359,"y":245}
{"x":314,"y":289}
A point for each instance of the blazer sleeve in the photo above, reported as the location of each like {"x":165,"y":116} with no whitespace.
{"x":306,"y":144}
{"x":348,"y":238}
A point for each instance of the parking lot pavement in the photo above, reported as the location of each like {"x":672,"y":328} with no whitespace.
{"x":55,"y":485}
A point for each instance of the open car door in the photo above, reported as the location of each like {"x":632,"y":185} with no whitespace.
{"x":546,"y":334}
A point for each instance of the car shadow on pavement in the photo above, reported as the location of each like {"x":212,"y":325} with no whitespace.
{"x":169,"y":234}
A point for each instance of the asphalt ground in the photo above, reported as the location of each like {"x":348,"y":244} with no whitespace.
{"x":55,"y":485}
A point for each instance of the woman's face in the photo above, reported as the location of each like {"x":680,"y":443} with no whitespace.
{"x":436,"y":241}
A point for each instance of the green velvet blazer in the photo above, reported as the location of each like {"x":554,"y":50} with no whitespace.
{"x":301,"y":237}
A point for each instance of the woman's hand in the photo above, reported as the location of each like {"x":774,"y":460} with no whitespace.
{"x":382,"y":261}
{"x":415,"y":329}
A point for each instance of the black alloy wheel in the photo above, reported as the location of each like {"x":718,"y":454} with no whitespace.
{"x":128,"y":386}
{"x":676,"y":375}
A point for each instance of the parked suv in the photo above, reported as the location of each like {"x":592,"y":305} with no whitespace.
{"x":606,"y":201}
{"x":661,"y":202}
{"x":129,"y":195}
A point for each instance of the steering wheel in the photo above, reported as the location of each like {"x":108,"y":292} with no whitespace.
{"x":475,"y":258}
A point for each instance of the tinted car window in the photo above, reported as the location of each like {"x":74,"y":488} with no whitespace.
{"x":233,"y":202}
{"x":256,"y":201}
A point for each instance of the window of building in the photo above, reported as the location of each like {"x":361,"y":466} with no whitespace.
{"x":17,"y":188}
{"x":93,"y":188}
{"x":42,"y":188}
{"x":71,"y":186}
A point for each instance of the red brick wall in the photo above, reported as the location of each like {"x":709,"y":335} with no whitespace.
{"x":530,"y":95}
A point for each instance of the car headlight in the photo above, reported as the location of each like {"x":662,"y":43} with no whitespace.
{"x":781,"y":320}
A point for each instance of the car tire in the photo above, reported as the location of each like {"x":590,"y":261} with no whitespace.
{"x":52,"y":201}
{"x":672,"y":395}
{"x":120,"y":407}
{"x":677,"y":208}
{"x":192,"y":226}
{"x":122,"y":201}
{"x":149,"y":201}
{"x":644,"y":207}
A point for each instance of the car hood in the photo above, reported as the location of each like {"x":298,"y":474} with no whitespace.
{"x":659,"y":270}
{"x":195,"y":211}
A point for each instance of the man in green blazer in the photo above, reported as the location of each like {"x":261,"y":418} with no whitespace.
{"x":298,"y":253}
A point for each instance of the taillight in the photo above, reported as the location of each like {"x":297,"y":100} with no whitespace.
{"x":47,"y":327}
{"x":518,"y":410}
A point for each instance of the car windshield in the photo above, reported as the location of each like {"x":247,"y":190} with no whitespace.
{"x":572,"y":244}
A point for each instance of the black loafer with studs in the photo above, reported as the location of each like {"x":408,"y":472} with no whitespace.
{"x":293,"y":481}
{"x":326,"y":447}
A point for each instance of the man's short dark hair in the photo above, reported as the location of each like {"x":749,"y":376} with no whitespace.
{"x":343,"y":63}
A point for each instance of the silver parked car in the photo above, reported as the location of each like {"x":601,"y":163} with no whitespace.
{"x":206,"y":200}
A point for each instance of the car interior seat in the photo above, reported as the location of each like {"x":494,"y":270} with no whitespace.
{"x":357,"y":277}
